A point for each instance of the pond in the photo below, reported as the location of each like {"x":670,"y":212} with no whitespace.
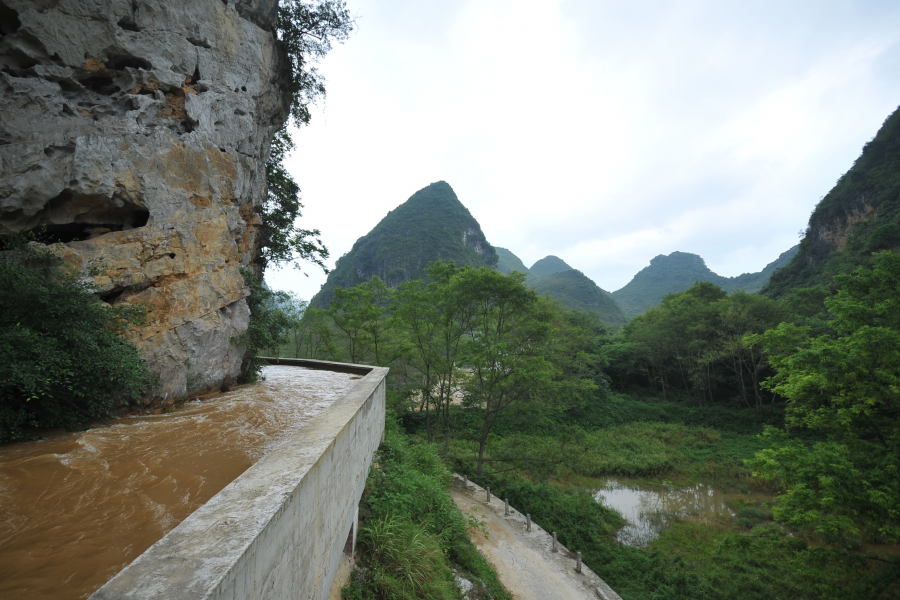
{"x":651,"y":509}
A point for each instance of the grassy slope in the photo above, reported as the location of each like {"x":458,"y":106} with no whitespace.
{"x":412,"y":538}
{"x":432,"y":225}
{"x":866,"y":202}
{"x":547,"y":467}
{"x":575,"y":291}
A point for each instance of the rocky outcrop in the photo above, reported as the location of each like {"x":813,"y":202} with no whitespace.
{"x":858,"y":217}
{"x":136,"y":132}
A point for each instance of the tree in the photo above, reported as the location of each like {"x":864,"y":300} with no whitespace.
{"x":282,"y":240}
{"x":504,"y":347}
{"x":361,"y":314}
{"x":742,"y":316}
{"x":435,"y":325}
{"x":304,"y":35}
{"x":63,"y":361}
{"x":844,"y":386}
{"x":269,"y":325}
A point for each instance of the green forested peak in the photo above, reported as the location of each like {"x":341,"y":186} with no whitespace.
{"x":859,"y":216}
{"x":680,"y":270}
{"x":431,"y":225}
{"x":507,"y":262}
{"x":576,"y":291}
{"x":546,"y":267}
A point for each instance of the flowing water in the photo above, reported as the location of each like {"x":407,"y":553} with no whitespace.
{"x":650,"y":510}
{"x":75,"y":508}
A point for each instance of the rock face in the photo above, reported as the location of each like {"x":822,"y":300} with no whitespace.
{"x":859,"y":216}
{"x":136,"y":132}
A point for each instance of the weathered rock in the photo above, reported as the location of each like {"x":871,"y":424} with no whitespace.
{"x":136,"y":132}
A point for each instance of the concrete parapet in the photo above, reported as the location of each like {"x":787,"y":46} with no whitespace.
{"x":279,"y":530}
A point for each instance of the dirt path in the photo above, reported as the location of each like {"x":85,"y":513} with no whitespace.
{"x":523,"y":560}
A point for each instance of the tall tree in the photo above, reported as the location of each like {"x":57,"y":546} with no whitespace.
{"x":504,"y":348}
{"x":435,"y":324}
{"x":846,"y":386}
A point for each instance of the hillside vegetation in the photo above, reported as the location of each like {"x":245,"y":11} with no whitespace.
{"x":793,"y":398}
{"x":679,"y":271}
{"x":546,"y":267}
{"x":576,"y":291}
{"x":507,"y":262}
{"x":859,"y":216}
{"x":432,"y":225}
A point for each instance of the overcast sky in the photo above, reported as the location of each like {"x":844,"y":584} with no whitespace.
{"x":604,"y":133}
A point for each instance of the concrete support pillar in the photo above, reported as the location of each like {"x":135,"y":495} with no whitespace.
{"x":355,"y":529}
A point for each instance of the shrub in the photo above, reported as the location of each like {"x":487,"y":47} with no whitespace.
{"x":63,"y":362}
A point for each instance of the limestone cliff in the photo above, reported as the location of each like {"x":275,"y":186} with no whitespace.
{"x":859,"y":216}
{"x":136,"y":133}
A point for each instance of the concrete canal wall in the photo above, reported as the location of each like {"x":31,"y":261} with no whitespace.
{"x":278,"y":530}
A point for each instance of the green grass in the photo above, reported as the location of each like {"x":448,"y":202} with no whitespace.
{"x":412,"y":537}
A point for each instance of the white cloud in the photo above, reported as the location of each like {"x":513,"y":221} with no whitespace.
{"x":603,"y":132}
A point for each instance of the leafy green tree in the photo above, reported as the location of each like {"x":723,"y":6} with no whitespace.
{"x":435,"y":325}
{"x":269,"y":325}
{"x":361,"y":315}
{"x":505,"y":346}
{"x":305,"y":32}
{"x":63,"y":360}
{"x":312,"y":336}
{"x":845,"y":386}
{"x":679,"y":339}
{"x":742,"y":315}
{"x":282,"y":240}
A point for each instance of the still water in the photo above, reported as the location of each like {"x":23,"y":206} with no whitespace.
{"x":650,"y":510}
{"x":77,"y":507}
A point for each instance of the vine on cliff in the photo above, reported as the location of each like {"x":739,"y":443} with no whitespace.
{"x":305,"y":32}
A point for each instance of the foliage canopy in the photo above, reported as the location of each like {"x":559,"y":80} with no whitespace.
{"x":63,"y":362}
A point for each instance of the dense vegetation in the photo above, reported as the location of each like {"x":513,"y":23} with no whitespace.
{"x":432,"y":225}
{"x":304,"y":34}
{"x":545,"y":267}
{"x":680,"y":270}
{"x":63,"y":362}
{"x":413,"y":541}
{"x":575,"y":291}
{"x":795,"y":397}
{"x":507,"y":262}
{"x":859,"y":216}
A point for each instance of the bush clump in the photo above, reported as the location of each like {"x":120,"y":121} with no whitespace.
{"x":63,"y":362}
{"x":412,"y":538}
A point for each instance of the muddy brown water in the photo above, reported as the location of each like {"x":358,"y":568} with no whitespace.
{"x":75,"y":508}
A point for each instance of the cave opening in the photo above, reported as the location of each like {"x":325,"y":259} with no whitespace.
{"x":71,"y":217}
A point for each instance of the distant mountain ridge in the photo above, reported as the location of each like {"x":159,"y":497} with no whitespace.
{"x":507,"y":262}
{"x":431,"y":225}
{"x":571,"y":288}
{"x":546,"y":267}
{"x":859,"y":216}
{"x":680,"y":270}
{"x":576,"y":291}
